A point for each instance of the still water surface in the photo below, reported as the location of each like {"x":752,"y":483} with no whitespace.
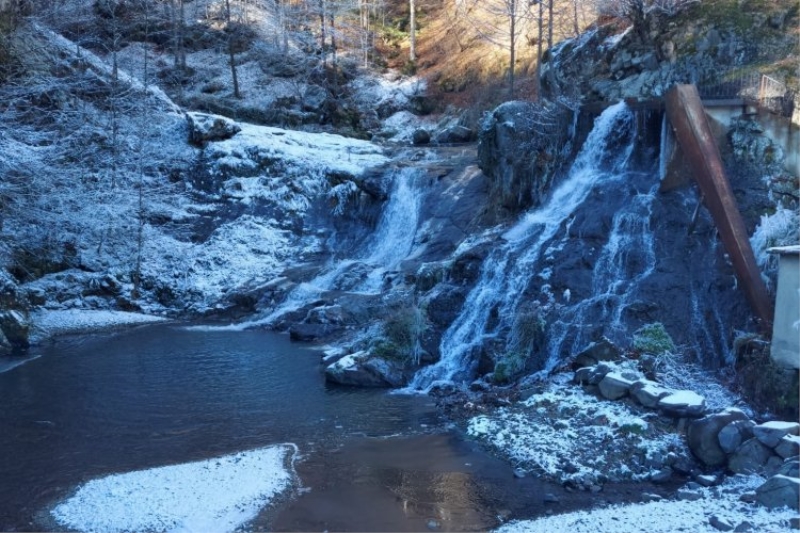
{"x":158,"y":395}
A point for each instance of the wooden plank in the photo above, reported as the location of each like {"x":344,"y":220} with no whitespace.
{"x":688,"y":118}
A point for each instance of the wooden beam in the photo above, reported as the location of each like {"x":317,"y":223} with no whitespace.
{"x":688,"y":118}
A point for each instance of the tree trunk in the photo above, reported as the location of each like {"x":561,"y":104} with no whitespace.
{"x":550,"y":23}
{"x":512,"y":46}
{"x":231,"y":54}
{"x":412,"y":28}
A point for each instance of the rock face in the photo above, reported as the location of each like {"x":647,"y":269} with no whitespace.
{"x":14,"y":330}
{"x":703,"y":436}
{"x":751,"y":457}
{"x":613,"y":63}
{"x":518,"y":180}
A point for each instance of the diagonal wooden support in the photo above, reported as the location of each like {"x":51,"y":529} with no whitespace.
{"x":688,"y":118}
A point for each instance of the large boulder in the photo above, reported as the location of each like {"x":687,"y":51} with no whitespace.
{"x":779,"y":491}
{"x":771,"y":433}
{"x":454,"y":134}
{"x":204,"y":128}
{"x":703,"y":436}
{"x":789,"y":446}
{"x":614,"y":386}
{"x":683,"y":403}
{"x":360,"y":369}
{"x":601,"y":350}
{"x":649,"y":393}
{"x":734,"y":434}
{"x":750,"y":458}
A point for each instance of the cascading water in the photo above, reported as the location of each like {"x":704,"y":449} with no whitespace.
{"x":383,"y":251}
{"x":506,"y":272}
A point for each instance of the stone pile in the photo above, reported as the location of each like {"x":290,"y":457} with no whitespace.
{"x":728,"y":439}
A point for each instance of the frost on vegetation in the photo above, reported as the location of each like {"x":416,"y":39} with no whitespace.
{"x":341,"y":194}
{"x":571,"y":436}
{"x":777,"y":229}
{"x":667,"y":516}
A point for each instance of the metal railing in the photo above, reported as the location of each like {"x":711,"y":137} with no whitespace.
{"x":753,"y":89}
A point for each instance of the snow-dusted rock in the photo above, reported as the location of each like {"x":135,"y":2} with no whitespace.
{"x":683,"y":403}
{"x":771,"y":433}
{"x":454,"y":134}
{"x":649,"y":393}
{"x":601,"y":350}
{"x":362,"y":370}
{"x":5,"y":346}
{"x":15,"y":327}
{"x":734,"y":434}
{"x":750,"y":458}
{"x":703,"y":436}
{"x":789,"y":446}
{"x":779,"y":491}
{"x":204,"y":128}
{"x":614,"y":386}
{"x":420,"y":136}
{"x":790,"y":467}
{"x":720,"y":523}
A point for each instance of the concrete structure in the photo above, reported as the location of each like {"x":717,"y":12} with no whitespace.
{"x":786,"y":326}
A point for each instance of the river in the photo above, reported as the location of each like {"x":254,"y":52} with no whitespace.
{"x":93,"y":405}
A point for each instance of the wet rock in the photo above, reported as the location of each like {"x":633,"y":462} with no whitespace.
{"x":420,"y":136}
{"x":602,"y":350}
{"x":614,"y":386}
{"x":779,"y":491}
{"x":550,"y":498}
{"x":311,"y":332}
{"x":789,"y":446}
{"x":749,"y":458}
{"x":734,"y":434}
{"x":204,"y":128}
{"x":649,"y":393}
{"x":650,"y":497}
{"x":361,"y":370}
{"x":683,"y":403}
{"x":771,"y":433}
{"x":719,"y":523}
{"x":702,"y":436}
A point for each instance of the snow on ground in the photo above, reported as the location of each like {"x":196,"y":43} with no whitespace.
{"x":667,"y":516}
{"x":316,"y":152}
{"x":48,"y":323}
{"x":219,"y":494}
{"x":572,"y":436}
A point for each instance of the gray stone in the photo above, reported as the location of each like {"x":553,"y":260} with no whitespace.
{"x":602,"y":350}
{"x":648,"y":393}
{"x":771,"y":433}
{"x":744,"y":527}
{"x":734,"y":434}
{"x":779,"y":491}
{"x":550,"y":498}
{"x":683,"y":403}
{"x":454,"y":134}
{"x":719,"y":523}
{"x":790,"y":468}
{"x":689,"y":495}
{"x":614,"y":386}
{"x":773,"y":466}
{"x":748,"y":497}
{"x":789,"y":446}
{"x":598,"y":373}
{"x":420,"y":136}
{"x":204,"y":128}
{"x":750,"y":458}
{"x":702,"y":436}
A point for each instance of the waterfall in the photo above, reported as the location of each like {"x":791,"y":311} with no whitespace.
{"x":391,"y":242}
{"x":509,"y":267}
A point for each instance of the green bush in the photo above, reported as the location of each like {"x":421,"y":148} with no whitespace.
{"x":653,"y":339}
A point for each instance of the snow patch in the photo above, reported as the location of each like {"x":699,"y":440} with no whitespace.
{"x":48,"y":323}
{"x":667,"y":516}
{"x":219,"y":494}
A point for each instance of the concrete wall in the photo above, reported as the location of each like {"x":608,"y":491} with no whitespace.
{"x":786,"y":326}
{"x":780,"y":130}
